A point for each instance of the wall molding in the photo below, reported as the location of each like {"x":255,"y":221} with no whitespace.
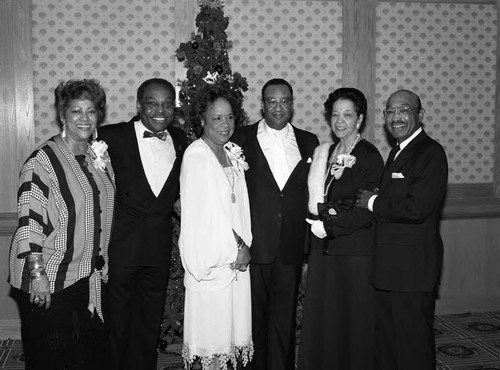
{"x":479,"y":303}
{"x":8,"y":223}
{"x":463,"y":201}
{"x":10,"y":329}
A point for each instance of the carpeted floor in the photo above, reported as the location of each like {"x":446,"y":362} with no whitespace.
{"x":469,"y":341}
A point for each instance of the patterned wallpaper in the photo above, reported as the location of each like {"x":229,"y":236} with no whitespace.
{"x":443,"y":52}
{"x":446,"y":53}
{"x":299,"y":41}
{"x":119,"y":42}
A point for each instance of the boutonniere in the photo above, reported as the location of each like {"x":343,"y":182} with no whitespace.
{"x":99,"y":154}
{"x":343,"y":161}
{"x":235,"y":153}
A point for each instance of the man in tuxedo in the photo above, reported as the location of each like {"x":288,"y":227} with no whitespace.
{"x":146,"y":154}
{"x":278,"y":155}
{"x":408,"y":248}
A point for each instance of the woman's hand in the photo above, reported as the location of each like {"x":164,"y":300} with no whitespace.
{"x":40,"y":292}
{"x":317,"y":228}
{"x":242,"y":259}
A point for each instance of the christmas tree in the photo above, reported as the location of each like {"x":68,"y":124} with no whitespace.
{"x":206,"y":59}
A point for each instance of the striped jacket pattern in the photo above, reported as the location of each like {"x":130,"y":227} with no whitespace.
{"x":65,"y":211}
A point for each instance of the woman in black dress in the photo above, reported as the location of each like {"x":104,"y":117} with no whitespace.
{"x":337,"y":326}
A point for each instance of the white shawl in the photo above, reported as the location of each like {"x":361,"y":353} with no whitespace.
{"x":207,"y":243}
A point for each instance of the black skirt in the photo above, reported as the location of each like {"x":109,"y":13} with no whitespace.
{"x":338,"y":321}
{"x":66,"y":336}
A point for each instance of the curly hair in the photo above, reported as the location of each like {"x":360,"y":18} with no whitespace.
{"x":207,"y":97}
{"x":357,"y":98}
{"x":71,"y":90}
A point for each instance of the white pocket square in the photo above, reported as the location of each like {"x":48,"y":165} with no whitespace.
{"x":309,"y":160}
{"x":397,"y":175}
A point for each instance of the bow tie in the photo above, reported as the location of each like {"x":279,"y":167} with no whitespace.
{"x":162,"y":135}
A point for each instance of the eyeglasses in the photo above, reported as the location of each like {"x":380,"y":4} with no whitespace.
{"x":273,"y":103}
{"x":403,"y":111}
{"x":154,"y":105}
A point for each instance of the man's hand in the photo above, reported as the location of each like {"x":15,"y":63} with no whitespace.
{"x":177,"y":207}
{"x":364,"y":196}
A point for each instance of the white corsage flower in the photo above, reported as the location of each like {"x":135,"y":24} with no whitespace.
{"x":235,"y":153}
{"x":211,"y":78}
{"x":99,"y":154}
{"x":343,"y":161}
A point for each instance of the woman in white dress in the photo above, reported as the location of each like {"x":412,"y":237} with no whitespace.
{"x":215,"y":239}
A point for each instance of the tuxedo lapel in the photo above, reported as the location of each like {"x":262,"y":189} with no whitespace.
{"x":134,"y":156}
{"x":302,"y":164}
{"x":256,"y":157}
{"x":174,"y":172}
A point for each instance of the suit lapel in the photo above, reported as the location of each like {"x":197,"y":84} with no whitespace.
{"x":396,"y":164}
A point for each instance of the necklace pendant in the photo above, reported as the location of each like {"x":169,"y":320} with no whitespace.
{"x":233,"y":198}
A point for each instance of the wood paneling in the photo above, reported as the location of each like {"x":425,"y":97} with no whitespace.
{"x":8,"y":308}
{"x":16,"y":96}
{"x":358,"y":53}
{"x":496,"y":163}
{"x":16,"y":128}
{"x":470,"y":279}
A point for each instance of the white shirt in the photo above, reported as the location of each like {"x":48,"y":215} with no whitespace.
{"x":267,"y":140}
{"x":402,"y":145}
{"x":157,"y":157}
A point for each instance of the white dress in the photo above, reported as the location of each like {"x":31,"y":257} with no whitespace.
{"x":217,"y":308}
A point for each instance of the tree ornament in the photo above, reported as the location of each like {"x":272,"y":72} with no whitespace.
{"x":195,"y":45}
{"x":219,"y":69}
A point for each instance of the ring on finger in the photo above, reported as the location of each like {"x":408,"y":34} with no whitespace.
{"x":36,"y":300}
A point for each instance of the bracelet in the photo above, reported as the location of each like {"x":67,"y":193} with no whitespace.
{"x":38,"y":274}
{"x":35,"y":266}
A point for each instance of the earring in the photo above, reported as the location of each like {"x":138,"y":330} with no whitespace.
{"x":63,"y":134}
{"x":94,"y":135}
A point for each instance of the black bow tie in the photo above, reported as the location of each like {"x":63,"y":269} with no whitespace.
{"x":162,"y":135}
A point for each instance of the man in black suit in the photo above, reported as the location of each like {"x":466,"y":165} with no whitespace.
{"x":146,"y":154}
{"x":278,"y":155}
{"x":408,"y":247}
